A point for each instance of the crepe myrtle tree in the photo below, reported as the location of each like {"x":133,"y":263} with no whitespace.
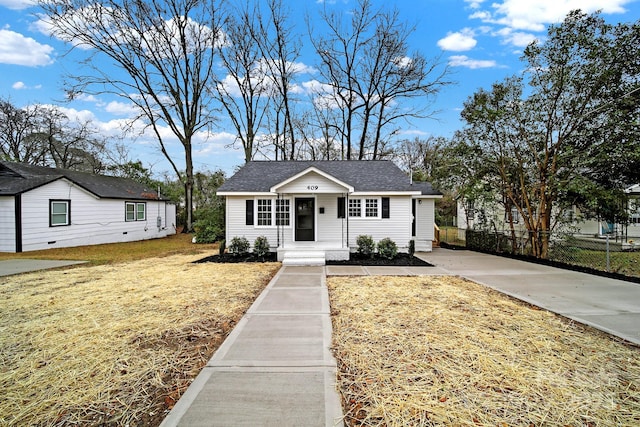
{"x":163,"y":51}
{"x":572,"y":136}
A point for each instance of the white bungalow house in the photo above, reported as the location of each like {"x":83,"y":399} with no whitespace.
{"x":317,"y":209}
{"x":42,"y":208}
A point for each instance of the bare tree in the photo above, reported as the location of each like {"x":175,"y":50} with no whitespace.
{"x":69,"y":144}
{"x":243,"y":91}
{"x":280,"y":49}
{"x":368,"y":66}
{"x":16,"y":125}
{"x":165,"y":52}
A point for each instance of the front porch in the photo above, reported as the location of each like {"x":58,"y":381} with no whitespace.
{"x":311,"y":253}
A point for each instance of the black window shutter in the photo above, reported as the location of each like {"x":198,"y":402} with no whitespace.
{"x":385,"y":207}
{"x":249,"y":212}
{"x":341,"y":203}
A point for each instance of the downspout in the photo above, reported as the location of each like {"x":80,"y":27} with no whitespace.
{"x":277,"y":221}
{"x":18,"y":221}
{"x":346,"y":214}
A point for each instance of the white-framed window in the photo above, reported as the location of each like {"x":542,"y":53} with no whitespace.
{"x":515,"y":215}
{"x":634,"y":211}
{"x":273,"y":212}
{"x":371,"y":208}
{"x":355,"y":208}
{"x":135,"y":211}
{"x":59,"y":213}
{"x":364,"y":208}
{"x":283,"y":212}
{"x":264,"y":212}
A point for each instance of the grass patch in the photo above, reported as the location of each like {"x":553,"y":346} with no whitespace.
{"x":112,"y":253}
{"x":115,"y":344}
{"x":626,"y":263}
{"x":426,"y":351}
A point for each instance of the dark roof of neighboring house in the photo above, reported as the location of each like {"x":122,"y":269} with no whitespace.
{"x":362,"y":175}
{"x":17,"y":178}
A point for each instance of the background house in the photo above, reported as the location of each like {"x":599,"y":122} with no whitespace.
{"x":323,"y":206}
{"x":42,"y":208}
{"x":487,"y":213}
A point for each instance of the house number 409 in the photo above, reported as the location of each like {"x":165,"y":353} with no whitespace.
{"x":312,"y":187}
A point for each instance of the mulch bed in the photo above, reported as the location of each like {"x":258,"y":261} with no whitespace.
{"x":401,"y":260}
{"x":230,"y":258}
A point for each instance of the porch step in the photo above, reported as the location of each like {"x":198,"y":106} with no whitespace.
{"x":302,"y":257}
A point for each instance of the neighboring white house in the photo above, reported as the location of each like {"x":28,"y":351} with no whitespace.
{"x":630,"y":231}
{"x":43,"y":208}
{"x":323,"y":206}
{"x":489,"y":214}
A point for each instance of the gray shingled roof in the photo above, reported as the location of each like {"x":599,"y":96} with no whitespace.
{"x":370,"y":175}
{"x":17,"y":178}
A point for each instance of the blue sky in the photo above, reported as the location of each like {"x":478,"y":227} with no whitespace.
{"x":480,"y":40}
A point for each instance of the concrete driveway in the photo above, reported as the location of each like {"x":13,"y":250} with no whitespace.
{"x":17,"y":266}
{"x":607,"y":304}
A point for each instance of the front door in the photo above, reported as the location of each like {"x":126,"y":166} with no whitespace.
{"x":305,"y":220}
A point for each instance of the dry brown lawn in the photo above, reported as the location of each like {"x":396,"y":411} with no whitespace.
{"x":426,"y":351}
{"x":115,"y":343}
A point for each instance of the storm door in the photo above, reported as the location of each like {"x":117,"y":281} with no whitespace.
{"x":305,"y":220}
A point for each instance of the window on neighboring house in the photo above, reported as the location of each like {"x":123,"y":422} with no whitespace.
{"x":59,"y":212}
{"x":283,"y":216}
{"x":515,"y":215}
{"x":634,"y":211}
{"x":568,"y":214}
{"x":135,"y":211}
{"x":355,"y":208}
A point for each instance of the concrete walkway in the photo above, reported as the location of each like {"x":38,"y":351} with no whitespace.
{"x":607,"y":304}
{"x":276,"y":367}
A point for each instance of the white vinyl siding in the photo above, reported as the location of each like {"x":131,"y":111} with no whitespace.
{"x":7,"y":224}
{"x":397,"y":227}
{"x":425,"y":220}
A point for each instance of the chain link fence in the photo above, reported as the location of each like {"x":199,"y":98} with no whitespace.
{"x":607,"y":254}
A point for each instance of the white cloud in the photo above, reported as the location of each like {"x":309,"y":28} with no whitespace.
{"x":474,"y":4}
{"x":465,"y":61}
{"x":516,"y":38}
{"x":23,"y":86}
{"x":536,"y":15}
{"x":17,"y":49}
{"x":121,"y":108}
{"x":17,"y":4}
{"x":459,"y":41}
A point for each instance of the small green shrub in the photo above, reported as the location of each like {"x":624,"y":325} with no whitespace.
{"x":387,"y":248}
{"x":207,"y":232}
{"x":223,"y":247}
{"x":260,"y":246}
{"x":239,"y":246}
{"x":366,"y":245}
{"x":208,"y":225}
{"x":412,"y":247}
